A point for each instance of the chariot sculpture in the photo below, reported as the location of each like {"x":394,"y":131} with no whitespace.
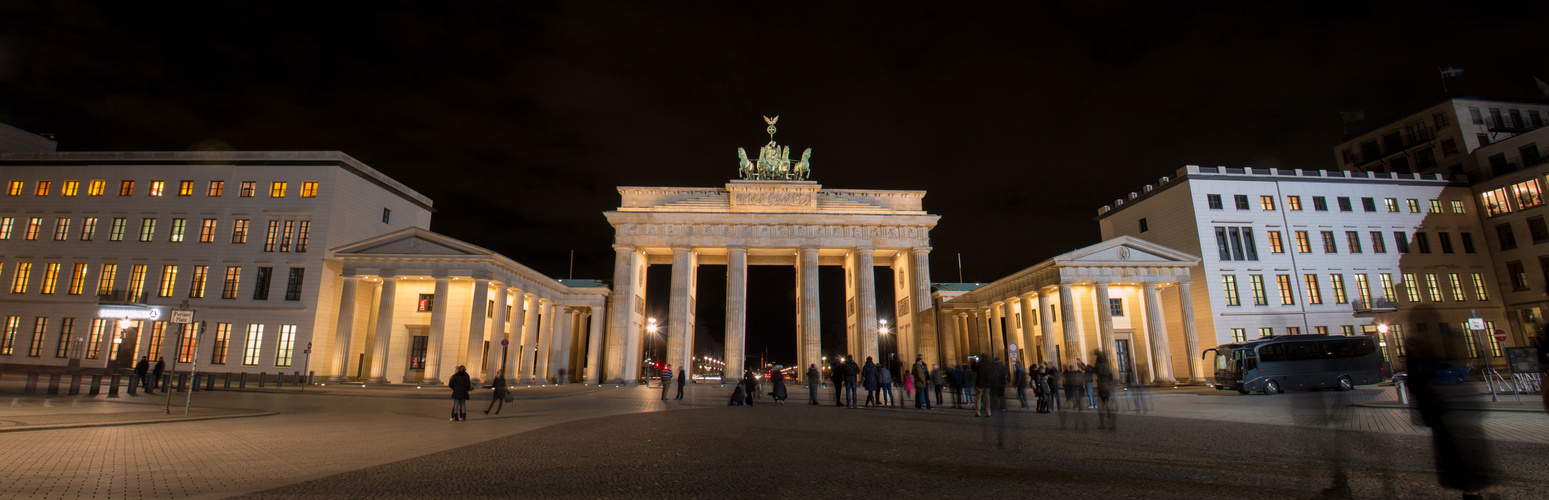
{"x":774,"y":161}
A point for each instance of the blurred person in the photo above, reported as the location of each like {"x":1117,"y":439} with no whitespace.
{"x":850,"y":371}
{"x":885,"y":385}
{"x":777,"y":380}
{"x":1041,"y":388}
{"x":460,"y":385}
{"x":142,"y":369}
{"x":1086,"y":383}
{"x":1019,"y":378}
{"x":749,"y":386}
{"x":1103,"y":373}
{"x":870,"y":381}
{"x":955,"y":379}
{"x":1052,"y":371}
{"x":156,"y":374}
{"x":937,"y":380}
{"x":921,"y":377}
{"x":836,"y":373}
{"x":681,"y":381}
{"x":984,"y":380}
{"x":813,"y":376}
{"x":1073,"y":387}
{"x":666,"y":378}
{"x":970,"y":381}
{"x":1463,"y":460}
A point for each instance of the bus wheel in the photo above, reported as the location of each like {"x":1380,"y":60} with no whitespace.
{"x":1271,"y":387}
{"x":1345,"y":384}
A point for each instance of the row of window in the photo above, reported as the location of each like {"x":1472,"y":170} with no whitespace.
{"x":1237,"y":243}
{"x":1320,"y":204}
{"x":1394,"y":337}
{"x":1433,"y":290}
{"x":1507,"y":199}
{"x":185,"y":349}
{"x":283,"y":235}
{"x":216,"y":189}
{"x":21,"y":281}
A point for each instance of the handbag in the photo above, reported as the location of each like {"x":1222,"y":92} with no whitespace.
{"x":510,"y":399}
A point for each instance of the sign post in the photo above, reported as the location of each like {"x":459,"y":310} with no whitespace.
{"x":1476,"y":330}
{"x":181,"y":316}
{"x":305,"y":364}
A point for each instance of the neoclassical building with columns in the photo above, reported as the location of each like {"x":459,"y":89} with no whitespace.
{"x":772,"y":223}
{"x":1125,"y":296}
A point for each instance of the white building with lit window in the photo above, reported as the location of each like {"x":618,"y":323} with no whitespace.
{"x":275,"y":252}
{"x":1291,"y":251}
{"x":1442,"y":138}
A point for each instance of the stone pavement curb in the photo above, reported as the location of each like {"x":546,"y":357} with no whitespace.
{"x":130,"y":422}
{"x":1400,"y":406}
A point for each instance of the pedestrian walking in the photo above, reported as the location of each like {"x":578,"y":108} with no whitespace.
{"x":156,"y":374}
{"x":501,"y":392}
{"x":1086,"y":381}
{"x":681,"y":380}
{"x":460,"y":385}
{"x":1041,"y":388}
{"x":142,"y":369}
{"x":869,"y":381}
{"x":955,"y":379}
{"x":1107,"y":418}
{"x":1019,"y":378}
{"x":1073,"y":386}
{"x":921,"y":375}
{"x":1459,"y":444}
{"x":836,"y":374}
{"x":937,"y":380}
{"x":851,"y":370}
{"x":1056,"y":381}
{"x":666,"y":381}
{"x":813,"y":376}
{"x":970,"y":382}
{"x":885,"y":384}
{"x":909,"y":385}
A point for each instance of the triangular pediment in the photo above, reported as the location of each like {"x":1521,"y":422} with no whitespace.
{"x":1126,"y":249}
{"x":411,"y":241}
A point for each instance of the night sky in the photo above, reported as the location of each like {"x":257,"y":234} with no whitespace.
{"x":519,"y":121}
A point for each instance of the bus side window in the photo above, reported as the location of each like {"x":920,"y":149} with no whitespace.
{"x":1272,"y":352}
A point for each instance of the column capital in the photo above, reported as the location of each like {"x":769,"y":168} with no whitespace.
{"x":920,"y":250}
{"x":737,"y":249}
{"x":624,"y":248}
{"x":440,"y":275}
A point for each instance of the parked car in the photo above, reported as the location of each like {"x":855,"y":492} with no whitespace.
{"x":1447,"y":374}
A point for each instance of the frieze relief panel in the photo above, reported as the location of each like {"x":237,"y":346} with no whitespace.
{"x":772,"y":235}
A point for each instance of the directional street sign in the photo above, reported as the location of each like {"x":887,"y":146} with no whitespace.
{"x":182,"y":317}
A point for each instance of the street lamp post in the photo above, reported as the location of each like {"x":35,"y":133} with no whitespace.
{"x":650,"y":348}
{"x":1387,"y":359}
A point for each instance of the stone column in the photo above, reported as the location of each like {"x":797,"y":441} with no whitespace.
{"x":988,"y":333}
{"x":593,"y":347}
{"x":513,"y":360}
{"x":1156,"y":326}
{"x":925,"y":337}
{"x":622,"y":356}
{"x":973,"y":344}
{"x":1190,"y":333}
{"x":346,"y":328}
{"x":525,"y":355}
{"x":545,"y":339}
{"x":1046,"y":328}
{"x":997,"y":331}
{"x":1030,"y":314}
{"x":947,"y":333}
{"x":498,"y":354}
{"x":736,"y":313}
{"x":384,"y":328}
{"x":1014,"y":330}
{"x":1072,"y":350}
{"x":866,"y":297}
{"x":679,"y":308}
{"x":964,"y":334}
{"x":564,"y":341}
{"x":1105,"y":319}
{"x":433,"y":357}
{"x":473,"y":358}
{"x":811,"y":331}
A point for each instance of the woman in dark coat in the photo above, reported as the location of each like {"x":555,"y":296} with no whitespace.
{"x":869,"y":379}
{"x":499,"y":385}
{"x":749,"y":386}
{"x":460,"y":385}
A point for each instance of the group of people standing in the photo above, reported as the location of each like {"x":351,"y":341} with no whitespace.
{"x":150,"y":378}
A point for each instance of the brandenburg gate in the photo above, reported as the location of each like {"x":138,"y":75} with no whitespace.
{"x":772,"y":216}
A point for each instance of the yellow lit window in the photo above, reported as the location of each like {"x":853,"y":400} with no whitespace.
{"x":247,"y":189}
{"x":185,"y":188}
{"x":96,"y":187}
{"x":70,"y":188}
{"x":277,"y":189}
{"x":43,"y":187}
{"x":168,"y":281}
{"x":126,"y":188}
{"x":157,"y":186}
{"x":217,"y":188}
{"x":16,"y":188}
{"x":1268,"y":202}
{"x":309,"y":189}
{"x":1293,"y":203}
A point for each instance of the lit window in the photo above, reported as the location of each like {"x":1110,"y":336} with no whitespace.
{"x":1256,"y":282}
{"x":147,"y":228}
{"x":247,"y":189}
{"x":287,"y":343}
{"x":1411,"y":287}
{"x":1433,"y":287}
{"x":8,"y":339}
{"x":78,"y":279}
{"x":1391,"y":203}
{"x":1435,"y":206}
{"x":1386,"y":280}
{"x":16,"y":189}
{"x":1414,"y":205}
{"x":19,"y":281}
{"x":1480,"y":292}
{"x":277,"y":189}
{"x":309,"y":189}
{"x":1293,"y":203}
{"x":196,"y":286}
{"x":34,"y":226}
{"x":233,"y":275}
{"x":187,"y":343}
{"x":70,"y":188}
{"x":178,"y":226}
{"x":222,"y":338}
{"x":1347,"y":330}
{"x":88,"y":228}
{"x":1303,"y":242}
{"x":156,"y":187}
{"x":273,"y":236}
{"x":217,"y":188}
{"x":1265,"y":331}
{"x":1364,"y":288}
{"x":43,"y":187}
{"x":1275,"y":245}
{"x":1353,"y":240}
{"x":1314,"y":293}
{"x":1337,"y":284}
{"x":1527,"y":193}
{"x":126,"y":188}
{"x":1239,"y":335}
{"x":168,"y":281}
{"x":1457,"y":287}
{"x":1457,"y":207}
{"x":207,"y":231}
{"x":250,"y":349}
{"x":105,"y":280}
{"x":1287,"y":294}
{"x":5,"y":227}
{"x":185,"y":188}
{"x":97,"y":187}
{"x":50,"y":278}
{"x":303,"y":229}
{"x":239,"y":231}
{"x":61,"y":228}
{"x":1267,"y":202}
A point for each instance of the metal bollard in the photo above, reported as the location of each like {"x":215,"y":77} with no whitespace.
{"x":53,"y":383}
{"x":1403,"y":394}
{"x":209,"y":382}
{"x":134,"y":382}
{"x":261,"y":378}
{"x":32,"y":384}
{"x":96,"y":385}
{"x":75,"y":384}
{"x":113,"y":385}
{"x":182,"y":382}
{"x":195,"y":385}
{"x":242,"y":381}
{"x":228,"y":380}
